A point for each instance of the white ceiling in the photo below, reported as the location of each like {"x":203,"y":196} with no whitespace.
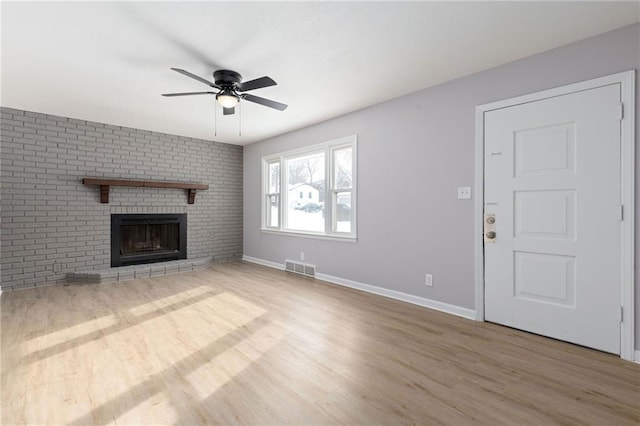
{"x":109,"y":62}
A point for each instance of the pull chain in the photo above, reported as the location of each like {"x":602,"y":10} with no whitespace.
{"x":239,"y":120}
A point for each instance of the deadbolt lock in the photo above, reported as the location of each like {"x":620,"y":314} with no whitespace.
{"x":489,"y":228}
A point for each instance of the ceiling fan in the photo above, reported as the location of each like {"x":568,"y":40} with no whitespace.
{"x":229,"y":87}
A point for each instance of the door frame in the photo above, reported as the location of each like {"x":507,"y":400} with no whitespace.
{"x":627,"y":126}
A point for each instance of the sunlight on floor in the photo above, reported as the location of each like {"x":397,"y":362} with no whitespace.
{"x":211,"y":376}
{"x":136,"y":364}
{"x":167,"y":348}
{"x":60,"y":336}
{"x":88,"y":332}
{"x":164,"y":302}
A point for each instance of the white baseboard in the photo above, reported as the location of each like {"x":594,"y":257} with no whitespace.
{"x":263,"y":262}
{"x":636,"y":357}
{"x":392,"y":294}
{"x":404,"y":297}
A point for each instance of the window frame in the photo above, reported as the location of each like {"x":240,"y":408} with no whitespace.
{"x":328,"y":149}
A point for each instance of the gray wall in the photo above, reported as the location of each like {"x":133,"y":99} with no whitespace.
{"x":413,"y":152}
{"x":52,"y":224}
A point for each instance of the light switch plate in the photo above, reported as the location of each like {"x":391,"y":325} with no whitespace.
{"x":464,"y":193}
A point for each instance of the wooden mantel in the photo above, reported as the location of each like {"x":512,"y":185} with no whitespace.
{"x":105,"y":183}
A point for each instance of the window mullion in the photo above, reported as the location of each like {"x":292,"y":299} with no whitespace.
{"x":328,"y":194}
{"x":264,"y":196}
{"x":283,"y":193}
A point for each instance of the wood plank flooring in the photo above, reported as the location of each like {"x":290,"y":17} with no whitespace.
{"x":243,"y":344}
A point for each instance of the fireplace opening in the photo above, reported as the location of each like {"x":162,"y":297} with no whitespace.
{"x":147,"y":238}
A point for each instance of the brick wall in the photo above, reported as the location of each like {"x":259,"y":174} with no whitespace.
{"x":51,"y":224}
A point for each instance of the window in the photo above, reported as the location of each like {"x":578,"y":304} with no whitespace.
{"x":312,"y":190}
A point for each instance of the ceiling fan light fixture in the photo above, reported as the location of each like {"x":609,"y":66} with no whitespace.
{"x":227,"y":100}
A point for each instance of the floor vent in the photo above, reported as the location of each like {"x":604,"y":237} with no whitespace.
{"x":300,"y":268}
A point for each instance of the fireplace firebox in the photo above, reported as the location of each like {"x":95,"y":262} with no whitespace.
{"x":147,"y":238}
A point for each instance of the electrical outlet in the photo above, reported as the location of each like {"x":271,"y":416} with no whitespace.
{"x":428,"y":280}
{"x":301,"y":255}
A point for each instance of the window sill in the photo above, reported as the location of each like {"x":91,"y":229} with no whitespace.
{"x":331,"y":237}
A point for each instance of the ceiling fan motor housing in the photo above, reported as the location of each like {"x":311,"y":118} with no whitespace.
{"x":226,"y":78}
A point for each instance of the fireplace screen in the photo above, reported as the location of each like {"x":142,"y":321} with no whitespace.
{"x":139,"y":238}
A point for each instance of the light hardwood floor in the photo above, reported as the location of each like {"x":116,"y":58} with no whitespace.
{"x":244,"y":344}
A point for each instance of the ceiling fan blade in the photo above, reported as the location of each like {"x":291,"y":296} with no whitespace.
{"x":266,"y":102}
{"x":188,"y":93}
{"x":228,"y":111}
{"x":258,"y":83}
{"x":195,"y":77}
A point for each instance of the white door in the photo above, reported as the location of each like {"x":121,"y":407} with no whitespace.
{"x":552,"y":180}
